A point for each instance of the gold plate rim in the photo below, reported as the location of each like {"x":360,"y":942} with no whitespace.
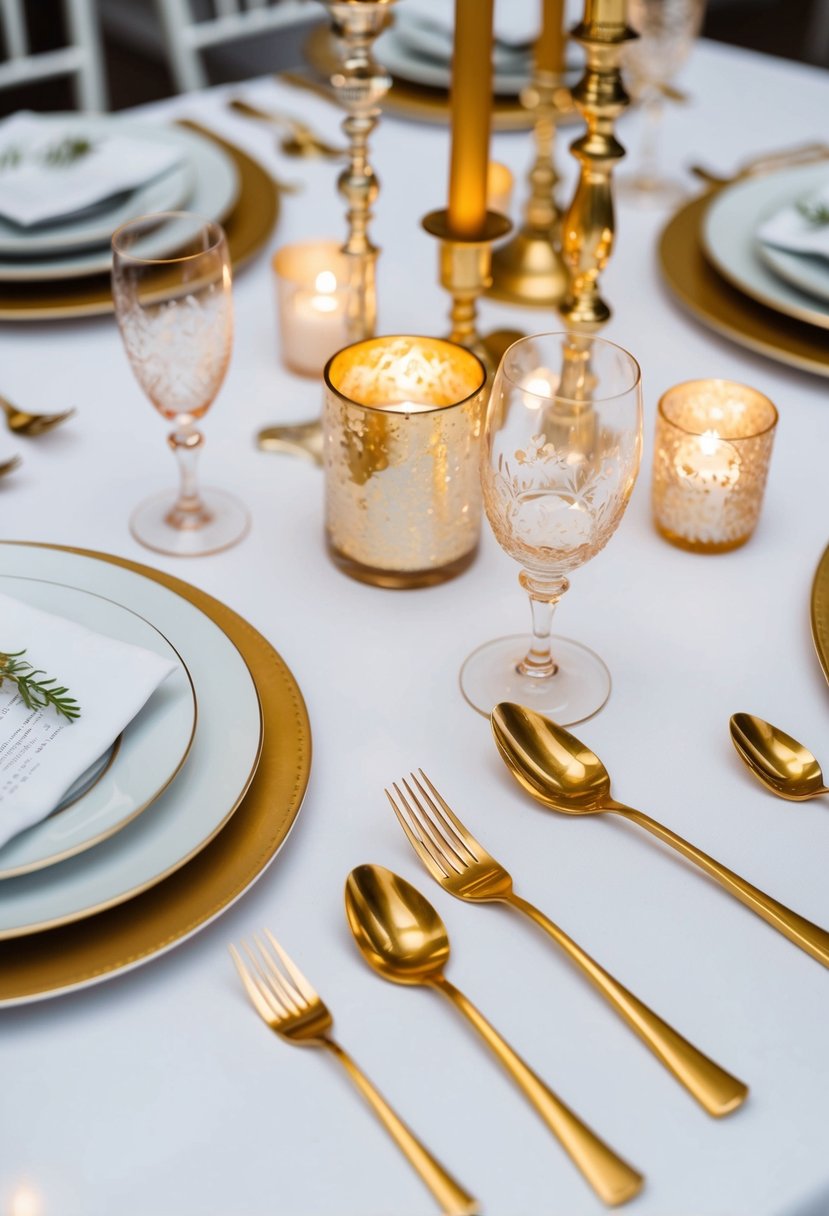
{"x":724,"y":309}
{"x":74,"y":956}
{"x":819,"y":611}
{"x":248,"y":226}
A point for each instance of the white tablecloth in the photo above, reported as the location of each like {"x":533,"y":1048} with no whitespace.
{"x":161,"y":1092}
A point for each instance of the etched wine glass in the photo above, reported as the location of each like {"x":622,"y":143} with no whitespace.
{"x":666,"y":29}
{"x":171,"y":282}
{"x":560,"y":453}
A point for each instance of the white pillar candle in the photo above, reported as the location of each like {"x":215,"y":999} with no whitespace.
{"x":311,"y":283}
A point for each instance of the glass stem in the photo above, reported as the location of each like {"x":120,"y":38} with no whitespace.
{"x":544,"y":596}
{"x":188,"y":511}
{"x":649,"y":152}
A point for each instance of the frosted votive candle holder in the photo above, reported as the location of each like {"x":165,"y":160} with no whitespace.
{"x":711,"y":458}
{"x":402,"y":423}
{"x":311,"y":287}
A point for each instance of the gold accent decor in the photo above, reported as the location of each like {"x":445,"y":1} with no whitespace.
{"x":529,"y":269}
{"x":819,"y":612}
{"x":465,"y":273}
{"x":247,"y":228}
{"x":122,"y":937}
{"x":588,"y":226}
{"x":401,"y":426}
{"x":779,"y":762}
{"x":710,"y":463}
{"x":359,"y":85}
{"x":720,"y":307}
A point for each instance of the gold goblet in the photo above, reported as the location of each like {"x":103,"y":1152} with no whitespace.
{"x":557,"y":473}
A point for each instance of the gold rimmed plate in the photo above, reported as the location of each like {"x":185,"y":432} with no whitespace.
{"x":207,"y":790}
{"x":820,"y":612}
{"x":143,"y":761}
{"x":724,"y":309}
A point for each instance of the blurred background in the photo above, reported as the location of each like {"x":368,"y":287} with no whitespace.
{"x":137,"y":63}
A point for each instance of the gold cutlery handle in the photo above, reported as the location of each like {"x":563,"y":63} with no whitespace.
{"x":797,"y":929}
{"x":453,"y":1199}
{"x":716,"y":1090}
{"x":613,"y":1180}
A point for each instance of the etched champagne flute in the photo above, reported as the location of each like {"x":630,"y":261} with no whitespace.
{"x":171,"y":282}
{"x":560,"y":453}
{"x":666,"y":29}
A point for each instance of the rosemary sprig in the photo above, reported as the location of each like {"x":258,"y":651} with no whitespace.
{"x":815,"y":213}
{"x":56,"y":156}
{"x":37,"y":694}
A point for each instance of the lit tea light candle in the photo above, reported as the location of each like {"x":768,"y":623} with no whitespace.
{"x":311,"y":291}
{"x":711,"y":457}
{"x":499,"y":183}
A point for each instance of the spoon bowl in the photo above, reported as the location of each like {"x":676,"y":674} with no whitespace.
{"x":552,"y":765}
{"x":21,"y":422}
{"x":396,"y":929}
{"x":781,"y":763}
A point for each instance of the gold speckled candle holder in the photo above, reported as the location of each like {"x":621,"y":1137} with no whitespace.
{"x":711,"y":457}
{"x":402,"y":424}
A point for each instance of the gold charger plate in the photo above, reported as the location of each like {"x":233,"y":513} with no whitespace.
{"x":726,"y":310}
{"x":76,"y":955}
{"x":820,"y":611}
{"x":417,"y":101}
{"x":247,"y":227}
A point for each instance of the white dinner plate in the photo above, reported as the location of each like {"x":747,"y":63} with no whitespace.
{"x":396,"y":53}
{"x":214,"y":192}
{"x":140,"y":765}
{"x":730,"y":243}
{"x":95,"y":227}
{"x":207,"y":790}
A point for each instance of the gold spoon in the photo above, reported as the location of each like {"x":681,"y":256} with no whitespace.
{"x":293,"y":439}
{"x":783,"y":765}
{"x":560,"y":772}
{"x":302,"y":140}
{"x":8,"y":466}
{"x":401,"y":936}
{"x":23,"y":423}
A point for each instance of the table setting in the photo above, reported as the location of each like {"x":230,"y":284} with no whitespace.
{"x":249,"y":728}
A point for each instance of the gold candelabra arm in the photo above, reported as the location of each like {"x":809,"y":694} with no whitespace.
{"x":360,"y":85}
{"x":588,"y":228}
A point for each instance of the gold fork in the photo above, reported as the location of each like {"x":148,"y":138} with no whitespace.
{"x":285,"y":1000}
{"x":463,"y":867}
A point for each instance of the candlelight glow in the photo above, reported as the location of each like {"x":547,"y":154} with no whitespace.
{"x":25,"y":1201}
{"x":709,"y":441}
{"x":325,"y":282}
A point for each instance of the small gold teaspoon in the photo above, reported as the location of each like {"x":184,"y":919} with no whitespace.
{"x":783,"y":765}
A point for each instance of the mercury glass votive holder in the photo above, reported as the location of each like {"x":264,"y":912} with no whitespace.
{"x":402,"y":420}
{"x":711,"y":458}
{"x":312,"y":302}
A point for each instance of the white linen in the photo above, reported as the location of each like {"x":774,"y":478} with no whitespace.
{"x":144,"y":1094}
{"x":35,"y":191}
{"x":41,"y":752}
{"x":790,"y":229}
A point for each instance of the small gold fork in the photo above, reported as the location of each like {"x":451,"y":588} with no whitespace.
{"x":288,"y":1004}
{"x":463,"y":867}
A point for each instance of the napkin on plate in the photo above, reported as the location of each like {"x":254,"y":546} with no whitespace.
{"x":46,"y":175}
{"x":41,"y":752}
{"x":790,"y":229}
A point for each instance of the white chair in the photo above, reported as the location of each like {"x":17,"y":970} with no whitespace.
{"x":80,"y":59}
{"x":189,"y":32}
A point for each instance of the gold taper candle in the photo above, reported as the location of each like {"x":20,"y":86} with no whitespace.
{"x":549,"y":49}
{"x":471,"y":112}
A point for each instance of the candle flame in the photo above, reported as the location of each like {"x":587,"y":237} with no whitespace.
{"x":325,"y":282}
{"x":709,"y":441}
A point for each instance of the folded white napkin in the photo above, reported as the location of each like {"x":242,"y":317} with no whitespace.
{"x":790,"y":229}
{"x":516,"y":23}
{"x":41,"y":182}
{"x":41,"y":752}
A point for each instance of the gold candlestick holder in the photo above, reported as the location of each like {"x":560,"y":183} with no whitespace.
{"x":529,"y":268}
{"x":465,"y":264}
{"x":589,"y":225}
{"x":359,"y":86}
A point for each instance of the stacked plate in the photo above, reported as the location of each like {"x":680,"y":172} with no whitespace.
{"x":55,"y":255}
{"x":721,"y":257}
{"x":183,"y":814}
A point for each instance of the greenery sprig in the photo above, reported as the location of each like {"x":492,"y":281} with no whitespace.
{"x":35,"y":693}
{"x":56,"y":156}
{"x":815,"y":213}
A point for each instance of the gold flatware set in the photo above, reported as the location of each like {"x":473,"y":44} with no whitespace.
{"x":299,"y":140}
{"x":404,"y":940}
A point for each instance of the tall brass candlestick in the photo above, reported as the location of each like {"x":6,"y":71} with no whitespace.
{"x":588,"y":227}
{"x":360,"y":86}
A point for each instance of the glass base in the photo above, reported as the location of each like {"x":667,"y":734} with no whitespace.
{"x":648,"y":190}
{"x":577,"y":691}
{"x":226,"y":523}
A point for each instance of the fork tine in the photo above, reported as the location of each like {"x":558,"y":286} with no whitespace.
{"x":432,"y":838}
{"x":269,"y":993}
{"x":449,"y":818}
{"x":277,"y":981}
{"x":448,"y":843}
{"x":257,"y":997}
{"x":433,"y":861}
{"x":296,"y":975}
